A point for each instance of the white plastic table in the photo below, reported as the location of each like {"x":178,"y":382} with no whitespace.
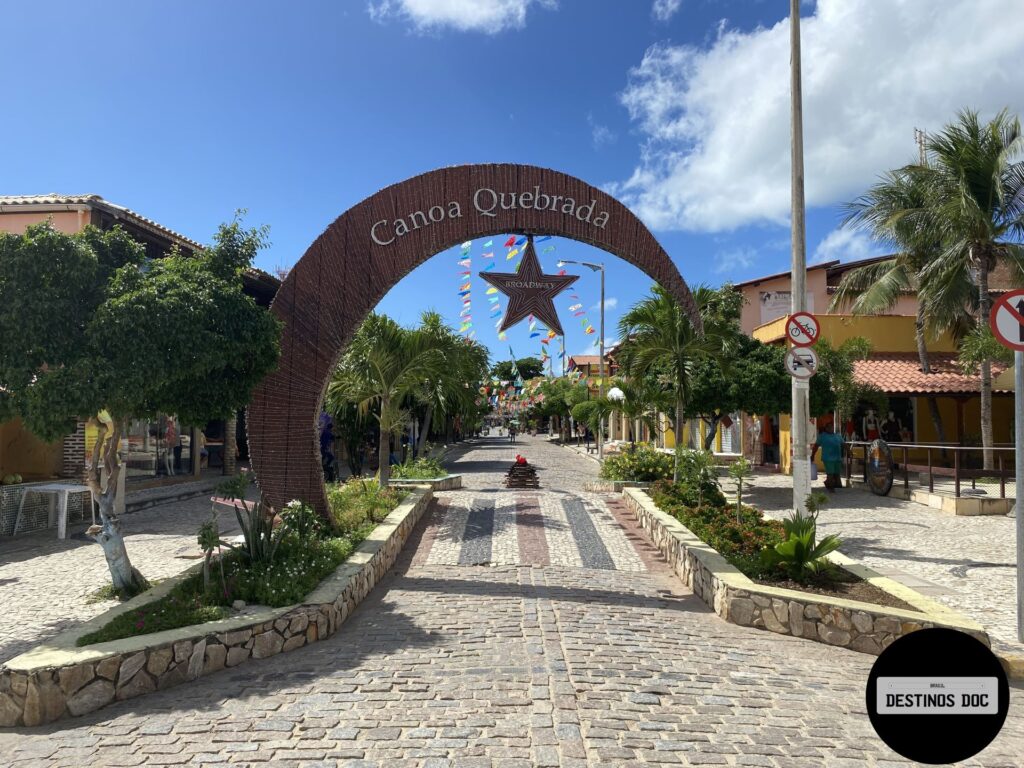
{"x":61,"y":492}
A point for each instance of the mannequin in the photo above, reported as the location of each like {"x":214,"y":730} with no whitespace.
{"x":870,"y":426}
{"x":892,"y":428}
{"x":170,"y":442}
{"x":849,"y":430}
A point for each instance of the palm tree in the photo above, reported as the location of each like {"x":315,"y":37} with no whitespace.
{"x":975,"y":189}
{"x":642,"y":399}
{"x":384,"y":365}
{"x":661,"y":340}
{"x":466,"y":362}
{"x":893,"y":211}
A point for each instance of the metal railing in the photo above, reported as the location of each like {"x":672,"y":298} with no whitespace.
{"x":946,"y":467}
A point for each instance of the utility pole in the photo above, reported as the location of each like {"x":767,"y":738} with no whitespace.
{"x":800,"y":389}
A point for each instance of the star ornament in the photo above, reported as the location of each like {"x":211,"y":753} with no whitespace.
{"x":530,"y":291}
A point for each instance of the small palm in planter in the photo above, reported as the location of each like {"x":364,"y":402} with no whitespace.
{"x":800,"y":555}
{"x":739,"y":471}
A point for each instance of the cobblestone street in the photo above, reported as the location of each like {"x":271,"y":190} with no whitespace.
{"x":547,"y":633}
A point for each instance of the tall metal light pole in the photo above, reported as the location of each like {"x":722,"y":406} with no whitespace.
{"x":600,"y":383}
{"x":801,"y":389}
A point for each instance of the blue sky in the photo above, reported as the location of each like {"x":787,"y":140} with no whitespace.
{"x":298,"y":110}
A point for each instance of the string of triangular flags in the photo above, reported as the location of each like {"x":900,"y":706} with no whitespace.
{"x":465,"y":290}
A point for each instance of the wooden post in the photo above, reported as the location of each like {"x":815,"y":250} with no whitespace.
{"x":956,"y":473}
{"x":906,"y":472}
{"x":1002,"y":478}
{"x":931,"y":477}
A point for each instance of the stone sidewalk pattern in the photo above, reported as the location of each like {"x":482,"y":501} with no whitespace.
{"x":507,"y":667}
{"x":45,"y":582}
{"x":967,"y":563}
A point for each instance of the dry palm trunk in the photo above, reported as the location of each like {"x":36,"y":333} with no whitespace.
{"x":984,"y":263}
{"x":926,"y":368}
{"x":126,"y":579}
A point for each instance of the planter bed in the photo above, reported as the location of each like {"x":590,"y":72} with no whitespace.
{"x":58,"y":679}
{"x":859,"y":626}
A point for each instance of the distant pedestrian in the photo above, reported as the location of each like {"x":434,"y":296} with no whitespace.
{"x":511,"y":433}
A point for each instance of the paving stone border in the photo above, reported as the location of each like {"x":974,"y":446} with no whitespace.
{"x":614,"y":486}
{"x":446,"y":483}
{"x":863,"y":627}
{"x":58,"y":679}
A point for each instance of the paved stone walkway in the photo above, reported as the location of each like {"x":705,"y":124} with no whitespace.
{"x":45,"y":581}
{"x":510,"y":664}
{"x":968,"y":563}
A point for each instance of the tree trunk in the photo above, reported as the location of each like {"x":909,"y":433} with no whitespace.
{"x":126,"y":579}
{"x":709,"y":441}
{"x":425,"y":429}
{"x":984,"y":307}
{"x":678,"y":428}
{"x":933,"y":402}
{"x":384,"y":447}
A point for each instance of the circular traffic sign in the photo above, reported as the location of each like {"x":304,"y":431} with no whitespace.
{"x":802,"y":329}
{"x":1007,"y":320}
{"x":801,"y":362}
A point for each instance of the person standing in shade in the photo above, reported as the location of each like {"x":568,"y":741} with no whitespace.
{"x":831,"y":446}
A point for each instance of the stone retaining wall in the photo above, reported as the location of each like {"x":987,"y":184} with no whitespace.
{"x":446,"y":483}
{"x":863,"y":627}
{"x":59,"y":679}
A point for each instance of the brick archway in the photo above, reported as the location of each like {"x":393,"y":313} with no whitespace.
{"x":369,"y":248}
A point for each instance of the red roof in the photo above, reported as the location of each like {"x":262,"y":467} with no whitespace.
{"x":585,"y":360}
{"x":900,"y":374}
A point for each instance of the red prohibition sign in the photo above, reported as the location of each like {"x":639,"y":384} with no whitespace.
{"x":1007,"y":320}
{"x":802,"y":329}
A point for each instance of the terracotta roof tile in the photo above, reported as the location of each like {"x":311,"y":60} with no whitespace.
{"x":900,"y":373}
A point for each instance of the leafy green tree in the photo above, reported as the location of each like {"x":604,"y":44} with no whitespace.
{"x":837,"y":369}
{"x":382,"y":368}
{"x":528,"y":367}
{"x":661,"y":340}
{"x":643,"y":398}
{"x":974,"y":182}
{"x":94,"y":331}
{"x":455,"y":391}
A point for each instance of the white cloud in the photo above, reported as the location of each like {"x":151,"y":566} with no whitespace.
{"x":735,"y":260}
{"x":609,"y":303}
{"x":490,"y":16}
{"x":664,"y":10}
{"x":600,"y":135}
{"x":847,"y":245}
{"x":716,"y":119}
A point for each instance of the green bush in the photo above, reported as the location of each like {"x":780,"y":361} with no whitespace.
{"x":360,"y":501}
{"x":422,"y":468}
{"x":638,"y":463}
{"x":738,"y":541}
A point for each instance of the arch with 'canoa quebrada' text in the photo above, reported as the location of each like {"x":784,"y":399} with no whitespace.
{"x":369,"y":248}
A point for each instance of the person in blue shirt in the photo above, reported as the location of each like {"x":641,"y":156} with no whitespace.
{"x":831,"y":446}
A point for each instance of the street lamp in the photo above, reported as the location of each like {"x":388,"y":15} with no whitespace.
{"x":600,"y":391}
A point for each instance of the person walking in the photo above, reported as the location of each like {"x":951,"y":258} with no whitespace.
{"x":831,"y":446}
{"x":511,"y":433}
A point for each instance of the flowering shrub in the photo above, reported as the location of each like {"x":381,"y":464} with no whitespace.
{"x":639,"y":463}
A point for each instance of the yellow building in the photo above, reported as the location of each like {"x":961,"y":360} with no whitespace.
{"x":894,"y":368}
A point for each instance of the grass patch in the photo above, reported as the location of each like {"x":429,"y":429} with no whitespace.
{"x":298,"y":567}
